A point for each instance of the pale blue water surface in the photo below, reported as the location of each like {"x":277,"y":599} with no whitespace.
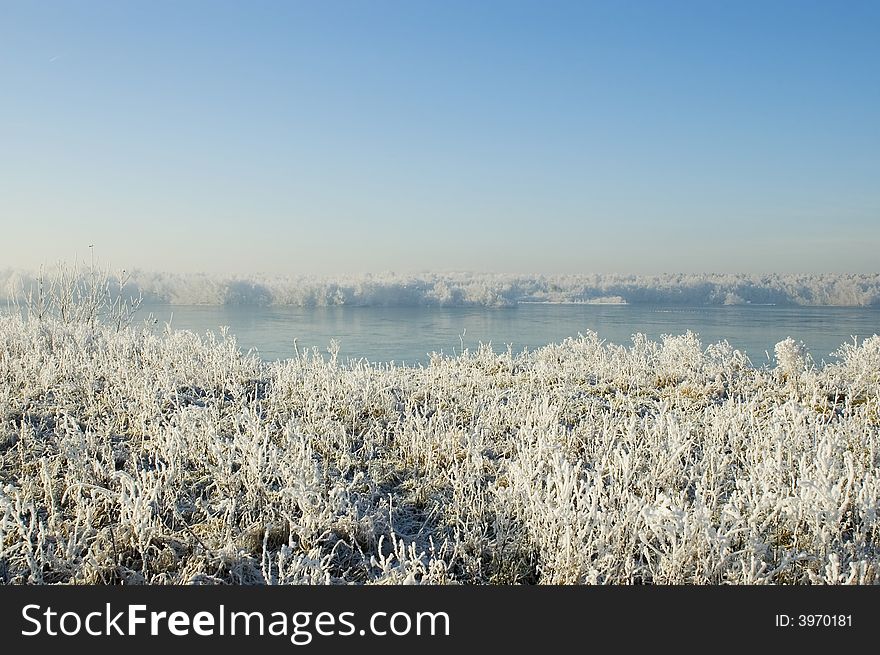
{"x":407,"y":335}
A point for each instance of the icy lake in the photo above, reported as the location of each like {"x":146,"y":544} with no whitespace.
{"x":406,"y":335}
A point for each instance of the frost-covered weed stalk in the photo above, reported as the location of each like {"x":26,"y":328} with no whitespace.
{"x":128,"y":456}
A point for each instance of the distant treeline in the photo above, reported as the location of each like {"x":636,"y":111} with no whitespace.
{"x":480,"y":289}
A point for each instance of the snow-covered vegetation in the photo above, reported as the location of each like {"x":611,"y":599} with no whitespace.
{"x":483,"y":289}
{"x":142,"y":455}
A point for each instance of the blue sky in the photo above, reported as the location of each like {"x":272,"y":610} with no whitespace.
{"x":323,"y":137}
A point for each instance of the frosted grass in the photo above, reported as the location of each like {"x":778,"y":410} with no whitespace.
{"x":132,"y":455}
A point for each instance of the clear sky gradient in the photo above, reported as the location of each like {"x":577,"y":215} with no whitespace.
{"x":322,"y":137}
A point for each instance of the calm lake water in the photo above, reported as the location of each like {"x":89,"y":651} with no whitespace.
{"x":406,"y":335}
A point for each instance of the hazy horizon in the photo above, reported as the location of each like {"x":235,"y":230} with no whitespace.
{"x":464,"y":289}
{"x":289,"y":138}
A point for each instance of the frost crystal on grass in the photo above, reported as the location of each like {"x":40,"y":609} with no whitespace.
{"x":130,"y":455}
{"x":791,"y":357}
